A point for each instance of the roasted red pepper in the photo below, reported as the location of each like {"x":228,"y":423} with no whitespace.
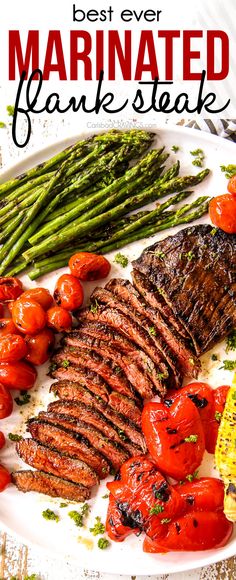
{"x":202,"y":395}
{"x":174,"y":436}
{"x":219,"y":398}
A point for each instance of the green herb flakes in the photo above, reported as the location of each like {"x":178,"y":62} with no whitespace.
{"x":103,"y":543}
{"x":214,"y":357}
{"x":98,"y":527}
{"x":229,"y":170}
{"x":10,"y":110}
{"x":50,"y":515}
{"x":156,"y":509}
{"x":231,"y":341}
{"x":78,"y":516}
{"x":192,"y":476}
{"x":65,"y":363}
{"x":121,"y":259}
{"x":152,"y":330}
{"x":2,"y":125}
{"x":191,"y":439}
{"x":23,"y":399}
{"x":94,"y":306}
{"x":105,"y":496}
{"x":218,"y":416}
{"x":229,"y":365}
{"x":14,"y":437}
{"x":165,"y":520}
{"x":63,"y":505}
{"x":189,"y":255}
{"x":175,"y":148}
{"x":199,"y":157}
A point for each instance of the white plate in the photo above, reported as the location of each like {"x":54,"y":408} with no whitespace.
{"x":21,"y":514}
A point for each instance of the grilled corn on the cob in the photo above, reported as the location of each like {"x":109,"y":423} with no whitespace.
{"x":225,"y":454}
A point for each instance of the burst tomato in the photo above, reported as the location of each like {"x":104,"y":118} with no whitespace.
{"x":10,"y":288}
{"x":28,"y":316}
{"x":12,"y":348}
{"x":19,"y":375}
{"x":68,"y":292}
{"x":7,"y":326}
{"x":59,"y":319}
{"x":2,"y":440}
{"x":6,"y":402}
{"x":232,"y":185}
{"x":86,"y":266}
{"x":222,"y":210}
{"x":40,"y":346}
{"x":174,"y":437}
{"x":219,"y":398}
{"x":40,"y":295}
{"x":5,"y":478}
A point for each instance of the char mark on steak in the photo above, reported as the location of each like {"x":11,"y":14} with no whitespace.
{"x":45,"y":459}
{"x":72,"y":444}
{"x":28,"y":480}
{"x":198,"y":280}
{"x":115,"y":454}
{"x":84,"y":377}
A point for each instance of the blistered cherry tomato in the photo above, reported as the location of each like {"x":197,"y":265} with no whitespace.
{"x":232,"y":185}
{"x":12,"y":348}
{"x":19,"y":375}
{"x":40,"y":295}
{"x":10,"y":288}
{"x":6,"y":402}
{"x":7,"y":326}
{"x":59,"y":319}
{"x":68,"y":292}
{"x":40,"y":346}
{"x":5,"y":478}
{"x":28,"y":316}
{"x":86,"y":266}
{"x":222,"y":210}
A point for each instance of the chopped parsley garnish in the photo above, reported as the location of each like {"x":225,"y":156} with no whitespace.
{"x":31,"y":577}
{"x":14,"y":437}
{"x":190,"y":255}
{"x":65,"y":363}
{"x":214,"y":357}
{"x":78,"y":516}
{"x":192,"y":476}
{"x":121,"y":259}
{"x":117,"y":370}
{"x":156,"y":509}
{"x":2,"y":125}
{"x":175,"y":148}
{"x":229,"y":365}
{"x":191,"y":439}
{"x":165,"y":520}
{"x":50,"y":515}
{"x":94,"y":306}
{"x":229,"y":170}
{"x":98,"y":528}
{"x":213,"y":231}
{"x":23,"y":399}
{"x":199,"y":157}
{"x":152,"y":330}
{"x":121,"y":434}
{"x":218,"y":416}
{"x":105,"y":496}
{"x":63,"y":505}
{"x":53,"y":367}
{"x":103,"y":543}
{"x":231,"y":341}
{"x":10,"y":110}
{"x":160,"y":254}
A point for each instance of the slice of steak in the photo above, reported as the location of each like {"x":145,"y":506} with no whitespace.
{"x":176,"y":351}
{"x":156,"y":300}
{"x":125,"y":363}
{"x":45,"y":459}
{"x":119,"y":341}
{"x":196,"y":271}
{"x":77,"y":392}
{"x":115,"y":454}
{"x":126,"y":325}
{"x":41,"y":482}
{"x":85,"y":377}
{"x":69,"y":391}
{"x":66,"y":441}
{"x":104,"y":368}
{"x":88,"y":414}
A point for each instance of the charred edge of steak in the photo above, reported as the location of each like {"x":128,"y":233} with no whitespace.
{"x":46,"y":459}
{"x":28,"y":480}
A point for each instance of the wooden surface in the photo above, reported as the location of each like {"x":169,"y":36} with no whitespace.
{"x":17,"y":560}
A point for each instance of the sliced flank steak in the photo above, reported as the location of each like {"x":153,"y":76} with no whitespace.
{"x":29,"y":480}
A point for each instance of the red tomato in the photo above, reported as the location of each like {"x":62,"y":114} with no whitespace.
{"x":86,"y":266}
{"x":28,"y":316}
{"x":12,"y":348}
{"x":202,"y":395}
{"x":19,"y":375}
{"x":7,"y":326}
{"x":5,"y":478}
{"x":10,"y":288}
{"x":1,"y":310}
{"x":219,"y":398}
{"x":203,"y":494}
{"x":2,"y":440}
{"x":193,"y":531}
{"x":174,"y":437}
{"x":68,"y":293}
{"x":222,"y":210}
{"x":232,"y":185}
{"x":40,"y":346}
{"x":40,"y":295}
{"x":115,"y":529}
{"x":59,"y":319}
{"x":6,"y":402}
